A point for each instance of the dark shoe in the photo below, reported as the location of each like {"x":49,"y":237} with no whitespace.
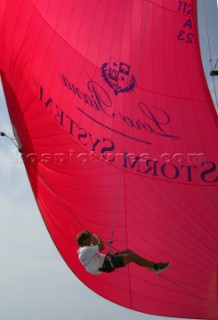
{"x":160,"y":267}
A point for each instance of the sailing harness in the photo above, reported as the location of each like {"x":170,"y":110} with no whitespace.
{"x":112,"y":262}
{"x":108,"y":265}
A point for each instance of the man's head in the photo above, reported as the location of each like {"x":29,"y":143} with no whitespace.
{"x":84,"y":238}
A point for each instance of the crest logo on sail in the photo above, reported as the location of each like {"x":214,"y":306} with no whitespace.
{"x":117,"y":75}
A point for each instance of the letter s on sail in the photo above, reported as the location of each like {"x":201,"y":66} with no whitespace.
{"x":209,"y":171}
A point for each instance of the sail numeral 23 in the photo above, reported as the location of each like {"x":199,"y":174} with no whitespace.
{"x":186,"y":34}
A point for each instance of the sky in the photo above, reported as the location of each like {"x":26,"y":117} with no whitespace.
{"x":35,"y":282}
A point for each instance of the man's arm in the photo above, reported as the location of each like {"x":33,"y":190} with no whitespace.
{"x":97,"y":241}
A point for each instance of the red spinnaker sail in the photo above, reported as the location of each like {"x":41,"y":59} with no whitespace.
{"x":119,"y":135}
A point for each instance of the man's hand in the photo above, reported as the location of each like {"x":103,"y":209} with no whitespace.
{"x":94,"y":238}
{"x":97,"y":241}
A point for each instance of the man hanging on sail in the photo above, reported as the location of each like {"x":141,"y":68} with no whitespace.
{"x":96,"y":262}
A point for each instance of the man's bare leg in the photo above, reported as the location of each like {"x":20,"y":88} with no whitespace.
{"x":130,"y":256}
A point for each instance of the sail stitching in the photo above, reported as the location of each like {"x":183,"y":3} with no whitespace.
{"x":125,"y":144}
{"x":131,"y":109}
{"x":194,"y":294}
{"x":55,"y":193}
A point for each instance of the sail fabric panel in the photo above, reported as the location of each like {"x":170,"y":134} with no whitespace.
{"x":119,"y":136}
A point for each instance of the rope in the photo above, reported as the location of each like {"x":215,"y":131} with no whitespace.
{"x":126,"y":139}
{"x":210,"y":54}
{"x":214,"y":72}
{"x":115,"y":212}
{"x":192,"y":293}
{"x":3,"y":134}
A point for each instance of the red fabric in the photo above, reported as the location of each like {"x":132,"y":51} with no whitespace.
{"x":122,"y":81}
